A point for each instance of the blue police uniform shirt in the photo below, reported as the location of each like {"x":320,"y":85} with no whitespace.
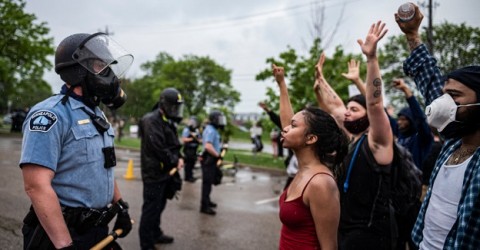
{"x":211,"y":135}
{"x":64,"y":139}
{"x":185,"y":132}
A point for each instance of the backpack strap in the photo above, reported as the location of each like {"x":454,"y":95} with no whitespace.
{"x":352,"y":162}
{"x":382,"y":171}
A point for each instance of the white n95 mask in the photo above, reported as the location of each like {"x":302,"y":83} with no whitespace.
{"x":443,"y":111}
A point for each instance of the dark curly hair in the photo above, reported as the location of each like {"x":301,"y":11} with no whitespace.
{"x":332,"y":144}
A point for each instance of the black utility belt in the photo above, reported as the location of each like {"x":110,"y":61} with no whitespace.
{"x":79,"y":218}
{"x":83,"y":219}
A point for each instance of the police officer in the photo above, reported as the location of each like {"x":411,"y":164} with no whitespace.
{"x":68,"y":152}
{"x":160,"y":153}
{"x":212,"y":148}
{"x":191,"y":139}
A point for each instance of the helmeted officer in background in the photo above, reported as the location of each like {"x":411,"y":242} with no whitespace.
{"x":191,"y":139}
{"x":160,"y":153}
{"x":212,"y":149}
{"x":68,"y":153}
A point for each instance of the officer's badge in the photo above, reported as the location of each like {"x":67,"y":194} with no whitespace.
{"x":42,"y":121}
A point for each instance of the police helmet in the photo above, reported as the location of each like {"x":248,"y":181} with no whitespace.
{"x":89,"y":51}
{"x":68,"y":69}
{"x":193,"y":122}
{"x":171,"y":103}
{"x":65,"y":50}
{"x":217,"y":119}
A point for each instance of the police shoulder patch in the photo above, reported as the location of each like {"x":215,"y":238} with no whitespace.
{"x":42,"y":121}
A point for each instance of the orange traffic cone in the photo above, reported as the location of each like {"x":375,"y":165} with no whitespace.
{"x":129,"y":174}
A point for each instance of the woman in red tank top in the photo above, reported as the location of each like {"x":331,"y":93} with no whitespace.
{"x":310,"y":205}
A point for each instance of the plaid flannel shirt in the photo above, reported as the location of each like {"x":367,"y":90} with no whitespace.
{"x":465,"y":232}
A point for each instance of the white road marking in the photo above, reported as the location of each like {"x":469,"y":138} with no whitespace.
{"x":260,"y":202}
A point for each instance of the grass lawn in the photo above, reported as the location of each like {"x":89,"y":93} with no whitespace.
{"x":244,"y":157}
{"x":128,"y":142}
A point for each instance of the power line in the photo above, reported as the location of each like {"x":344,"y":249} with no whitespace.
{"x":240,"y":20}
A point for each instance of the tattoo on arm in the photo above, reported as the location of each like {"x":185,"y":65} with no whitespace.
{"x":378,"y":87}
{"x":413,"y":43}
{"x":331,"y":93}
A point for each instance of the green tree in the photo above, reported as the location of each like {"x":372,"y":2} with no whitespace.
{"x":299,"y":71}
{"x":456,"y":46}
{"x":202,"y":82}
{"x":24,"y":47}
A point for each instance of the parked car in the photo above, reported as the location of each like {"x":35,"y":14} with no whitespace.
{"x":18,"y":117}
{"x":7,"y":119}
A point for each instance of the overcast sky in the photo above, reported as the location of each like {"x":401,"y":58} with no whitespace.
{"x":239,"y":35}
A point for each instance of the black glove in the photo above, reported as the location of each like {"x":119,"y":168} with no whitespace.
{"x":123,"y":219}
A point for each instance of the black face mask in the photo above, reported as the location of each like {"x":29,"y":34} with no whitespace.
{"x":357,"y":126}
{"x":408,"y":131}
{"x":117,"y":101}
{"x":176,"y":119}
{"x":104,"y":86}
{"x":172,"y":111}
{"x":219,"y":127}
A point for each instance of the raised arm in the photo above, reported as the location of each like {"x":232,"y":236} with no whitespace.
{"x":286,"y":110}
{"x":272,"y":115}
{"x":400,"y":84}
{"x":318,"y":95}
{"x":380,"y":136}
{"x":420,"y":65}
{"x":327,"y":98}
{"x":418,"y":115}
{"x":353,"y":75}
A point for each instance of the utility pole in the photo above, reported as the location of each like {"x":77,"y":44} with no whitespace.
{"x":106,"y":31}
{"x":430,"y":7}
{"x":430,"y":27}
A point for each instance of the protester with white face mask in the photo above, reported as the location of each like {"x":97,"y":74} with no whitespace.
{"x":449,"y":216}
{"x":442,"y":114}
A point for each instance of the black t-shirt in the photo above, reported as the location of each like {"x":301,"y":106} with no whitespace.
{"x":365,"y":203}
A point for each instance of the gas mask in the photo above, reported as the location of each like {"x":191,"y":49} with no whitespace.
{"x":117,"y":101}
{"x":192,"y":124}
{"x":441,"y":114}
{"x":171,"y":104}
{"x":106,"y":61}
{"x":104,"y":87}
{"x":220,"y":122}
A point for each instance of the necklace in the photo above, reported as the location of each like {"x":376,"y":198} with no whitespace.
{"x":461,"y":154}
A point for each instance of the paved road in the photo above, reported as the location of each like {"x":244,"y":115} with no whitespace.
{"x":247,"y":214}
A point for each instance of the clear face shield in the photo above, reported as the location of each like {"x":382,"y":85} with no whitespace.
{"x":177,"y":110}
{"x":174,"y":112}
{"x":222,"y":120}
{"x":193,"y":123}
{"x":100,"y":51}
